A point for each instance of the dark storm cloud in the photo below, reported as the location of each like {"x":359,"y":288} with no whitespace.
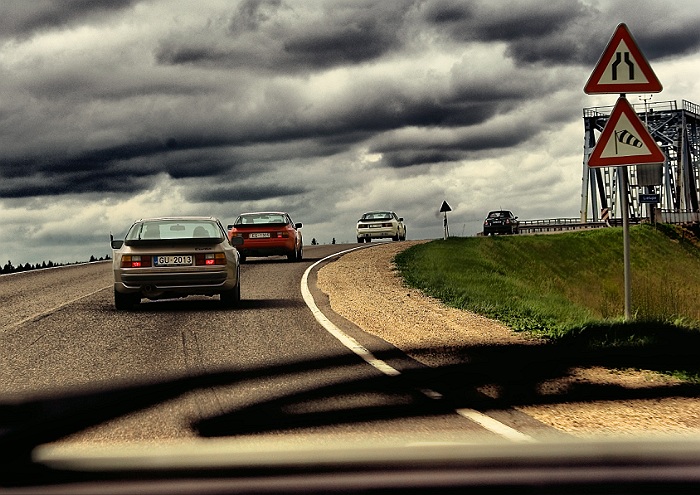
{"x":410,"y":158}
{"x":34,"y":185}
{"x":398,"y":153}
{"x":501,"y":21}
{"x":340,"y":33}
{"x":21,"y":18}
{"x":124,"y":168}
{"x":241,"y":192}
{"x":565,"y":32}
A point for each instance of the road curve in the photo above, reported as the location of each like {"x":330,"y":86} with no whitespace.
{"x":61,"y":334}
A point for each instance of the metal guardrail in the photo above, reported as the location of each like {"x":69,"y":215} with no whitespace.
{"x":672,"y":216}
{"x":557,"y":225}
{"x":568,"y":224}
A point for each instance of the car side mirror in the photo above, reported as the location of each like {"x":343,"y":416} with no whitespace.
{"x":297,"y":225}
{"x":115,"y":244}
{"x":236,"y":240}
{"x":400,"y":219}
{"x":229,"y":227}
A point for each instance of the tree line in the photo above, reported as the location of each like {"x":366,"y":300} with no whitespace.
{"x":10,"y":268}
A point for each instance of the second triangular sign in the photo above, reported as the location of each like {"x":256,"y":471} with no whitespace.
{"x":625,"y":140}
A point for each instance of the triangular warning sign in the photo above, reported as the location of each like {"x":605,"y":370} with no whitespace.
{"x":445,"y":207}
{"x":622,"y":68}
{"x":625,"y":140}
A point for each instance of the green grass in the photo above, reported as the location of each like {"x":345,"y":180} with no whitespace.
{"x":569,"y":288}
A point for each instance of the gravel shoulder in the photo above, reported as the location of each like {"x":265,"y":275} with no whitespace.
{"x":364,"y":287}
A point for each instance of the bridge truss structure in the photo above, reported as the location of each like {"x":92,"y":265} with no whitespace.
{"x":677,"y":182}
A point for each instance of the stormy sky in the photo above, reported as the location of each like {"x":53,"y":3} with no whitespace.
{"x":113,"y":110}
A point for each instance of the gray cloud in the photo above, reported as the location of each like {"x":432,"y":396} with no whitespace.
{"x":277,"y":36}
{"x":19,"y":18}
{"x":308,"y":105}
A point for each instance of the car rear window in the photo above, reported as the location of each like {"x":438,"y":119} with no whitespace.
{"x":261,"y":219}
{"x":382,"y":215}
{"x":174,"y":229}
{"x":498,"y":214}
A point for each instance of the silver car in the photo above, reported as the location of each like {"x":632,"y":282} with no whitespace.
{"x":175,"y":257}
{"x":380,"y":225}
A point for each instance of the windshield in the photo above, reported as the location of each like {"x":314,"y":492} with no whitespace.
{"x":184,"y":272}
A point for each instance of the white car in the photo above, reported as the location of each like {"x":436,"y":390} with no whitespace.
{"x":176,"y":257}
{"x":380,"y":225}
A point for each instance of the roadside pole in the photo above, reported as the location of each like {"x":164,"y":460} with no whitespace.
{"x":626,"y":241}
{"x":444,"y":208}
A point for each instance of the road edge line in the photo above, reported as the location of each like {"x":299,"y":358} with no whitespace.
{"x":486,"y":422}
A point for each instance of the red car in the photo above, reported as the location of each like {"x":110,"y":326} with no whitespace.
{"x":268,"y":233}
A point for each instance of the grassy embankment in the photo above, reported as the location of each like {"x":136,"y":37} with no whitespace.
{"x":569,"y":287}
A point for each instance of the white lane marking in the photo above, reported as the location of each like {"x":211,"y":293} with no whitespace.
{"x":336,"y":332}
{"x":495,"y":426}
{"x":484,"y":421}
{"x":51,"y":310}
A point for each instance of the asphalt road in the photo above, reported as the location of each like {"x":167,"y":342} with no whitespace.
{"x":60,"y":335}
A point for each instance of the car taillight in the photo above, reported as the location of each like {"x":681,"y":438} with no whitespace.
{"x":284,"y":234}
{"x":135,"y":261}
{"x":210,"y":259}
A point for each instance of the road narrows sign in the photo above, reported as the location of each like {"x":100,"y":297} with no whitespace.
{"x":625,"y":140}
{"x":622,"y":68}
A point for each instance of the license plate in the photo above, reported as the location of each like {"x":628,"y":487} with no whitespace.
{"x":259,"y":235}
{"x":179,"y":260}
{"x":375,"y":226}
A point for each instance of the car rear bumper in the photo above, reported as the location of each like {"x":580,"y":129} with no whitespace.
{"x":376,"y":233}
{"x":500,"y":229}
{"x":200,"y":282}
{"x":267,"y":248}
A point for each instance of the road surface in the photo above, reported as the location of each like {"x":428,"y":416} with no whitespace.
{"x":60,"y":335}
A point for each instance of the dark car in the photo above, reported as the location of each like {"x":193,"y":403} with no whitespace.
{"x":501,"y":222}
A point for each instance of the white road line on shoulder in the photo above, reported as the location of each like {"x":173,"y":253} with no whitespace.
{"x":496,"y":426}
{"x":483,"y":420}
{"x":336,"y":332}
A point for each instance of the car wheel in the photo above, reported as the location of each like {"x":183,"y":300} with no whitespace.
{"x":231,"y":298}
{"x":368,"y":239}
{"x":300,"y":256}
{"x":360,"y":240}
{"x":396,"y":237}
{"x":125,"y":301}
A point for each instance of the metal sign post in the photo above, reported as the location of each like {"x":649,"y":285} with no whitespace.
{"x":626,"y":242}
{"x":444,"y":209}
{"x":625,"y":140}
